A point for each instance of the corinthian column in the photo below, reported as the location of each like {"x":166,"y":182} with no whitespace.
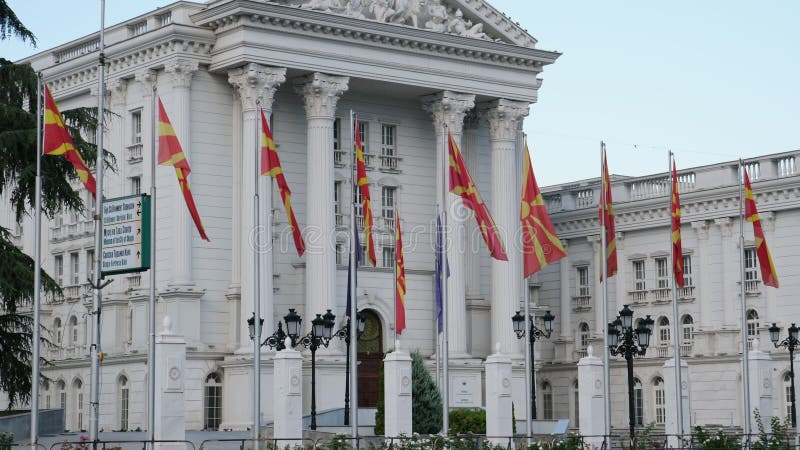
{"x":504,"y":117}
{"x":450,"y":108}
{"x":256,"y":86}
{"x":321,"y":93}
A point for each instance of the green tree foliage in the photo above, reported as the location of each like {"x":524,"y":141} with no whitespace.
{"x":426,"y":405}
{"x":11,"y":26}
{"x":467,"y":421}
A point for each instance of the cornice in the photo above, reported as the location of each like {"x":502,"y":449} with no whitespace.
{"x":247,"y":13}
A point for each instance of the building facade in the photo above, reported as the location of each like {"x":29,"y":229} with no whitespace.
{"x":410,"y":71}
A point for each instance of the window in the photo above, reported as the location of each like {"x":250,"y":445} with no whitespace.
{"x":78,"y":388}
{"x":73,"y":330}
{"x":136,"y":185}
{"x":75,"y":268}
{"x":687,"y":271}
{"x":123,"y":400}
{"x":363,"y":133}
{"x":213,"y":402}
{"x":576,"y":405}
{"x":583,"y":336}
{"x":337,"y":203}
{"x":388,"y":256}
{"x":752,"y":324}
{"x":547,"y":401}
{"x":58,"y":333}
{"x":340,"y":253}
{"x":750,"y":270}
{"x":639,"y":276}
{"x":136,"y":127}
{"x":687,"y":329}
{"x":584,"y":290}
{"x":787,"y":396}
{"x":638,"y":402}
{"x":90,"y":264}
{"x":359,"y":207}
{"x":139,"y":28}
{"x":337,"y":134}
{"x":388,"y":205}
{"x":62,"y":395}
{"x":662,"y":273}
{"x":46,"y":393}
{"x":388,"y":148}
{"x":663,"y":331}
{"x":660,"y":401}
{"x":58,"y":269}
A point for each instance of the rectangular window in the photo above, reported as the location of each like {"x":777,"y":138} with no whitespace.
{"x":340,"y":256}
{"x":90,"y":264}
{"x":582,"y":275}
{"x":136,"y":127}
{"x":58,"y":269}
{"x":687,"y":271}
{"x":547,"y":403}
{"x":388,"y":257}
{"x":688,"y":333}
{"x":136,"y":185}
{"x":359,"y":207}
{"x":661,"y":412}
{"x":337,"y":203}
{"x":750,"y":265}
{"x":389,"y":158}
{"x":213,"y":407}
{"x":638,"y":400}
{"x":639,"y":276}
{"x":388,"y":205}
{"x":337,"y":134}
{"x":75,"y":268}
{"x":80,"y":411}
{"x":363,"y":133}
{"x":139,"y":28}
{"x":662,"y":273}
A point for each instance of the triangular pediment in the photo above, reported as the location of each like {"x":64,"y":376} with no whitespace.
{"x":475,"y":19}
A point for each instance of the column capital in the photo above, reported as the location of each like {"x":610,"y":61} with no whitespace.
{"x":256,"y":83}
{"x":147,"y":77}
{"x":321,"y":93}
{"x":448,"y":108}
{"x":504,"y":117}
{"x":701,"y":228}
{"x":767,"y":220}
{"x":180,"y":71}
{"x":725,"y":225}
{"x":117,"y":89}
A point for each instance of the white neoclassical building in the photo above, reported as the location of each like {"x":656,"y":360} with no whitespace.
{"x":407,"y":69}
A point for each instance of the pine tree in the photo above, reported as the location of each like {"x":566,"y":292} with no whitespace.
{"x":426,"y":405}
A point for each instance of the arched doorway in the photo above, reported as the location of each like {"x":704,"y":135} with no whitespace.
{"x":370,"y":358}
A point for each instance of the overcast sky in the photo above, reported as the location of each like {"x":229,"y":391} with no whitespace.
{"x":713,"y":80}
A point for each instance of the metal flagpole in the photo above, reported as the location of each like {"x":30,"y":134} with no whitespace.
{"x":440,"y":255}
{"x":394,"y":271}
{"x":37,"y":267}
{"x":604,"y":277}
{"x":743,"y":300}
{"x":529,"y":369}
{"x":353,"y":294}
{"x":98,"y":241}
{"x":151,"y":351}
{"x":445,"y":339}
{"x":257,"y":286}
{"x":675,"y":324}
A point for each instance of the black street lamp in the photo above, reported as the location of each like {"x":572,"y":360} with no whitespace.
{"x":791,"y":342}
{"x":625,"y":341}
{"x":344,"y":333}
{"x":519,"y":329}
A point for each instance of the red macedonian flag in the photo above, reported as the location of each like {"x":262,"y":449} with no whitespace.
{"x":271,"y":166}
{"x":768,"y":274}
{"x":363,"y":186}
{"x":607,"y":220}
{"x":57,"y":141}
{"x":461,"y":184}
{"x":677,"y":247}
{"x":540,"y":244}
{"x":400,"y":278}
{"x":170,"y":153}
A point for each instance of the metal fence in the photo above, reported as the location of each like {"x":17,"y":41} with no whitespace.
{"x":121,"y":445}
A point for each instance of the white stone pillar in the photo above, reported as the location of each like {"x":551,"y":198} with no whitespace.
{"x":504,"y":117}
{"x":620,"y":281}
{"x":597,"y":258}
{"x":499,"y":420}
{"x":170,"y":407}
{"x":671,"y":426}
{"x":700,"y":272}
{"x":397,"y":394}
{"x":449,"y":108}
{"x":591,"y":398}
{"x":256,"y":86}
{"x":234,"y":293}
{"x":565,"y":320}
{"x":320,"y":93}
{"x":729,"y":275}
{"x":470,"y":150}
{"x":761,"y":385}
{"x":288,"y":397}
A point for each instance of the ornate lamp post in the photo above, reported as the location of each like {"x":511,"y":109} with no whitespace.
{"x":344,"y":333}
{"x":791,"y":342}
{"x":625,"y":341}
{"x":536,"y":333}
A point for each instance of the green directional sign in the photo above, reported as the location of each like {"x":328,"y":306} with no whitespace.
{"x":126,"y":234}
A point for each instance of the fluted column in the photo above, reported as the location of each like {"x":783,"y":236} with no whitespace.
{"x":620,"y":285}
{"x":729,"y":273}
{"x":566,"y":294}
{"x":472,"y":257}
{"x":504,"y":117}
{"x":256,"y":86}
{"x":597,"y":257}
{"x":450,"y":108}
{"x":320,"y":93}
{"x":701,"y":275}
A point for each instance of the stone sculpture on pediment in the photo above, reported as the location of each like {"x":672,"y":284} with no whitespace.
{"x":405,"y":11}
{"x":334,"y":6}
{"x":380,"y":10}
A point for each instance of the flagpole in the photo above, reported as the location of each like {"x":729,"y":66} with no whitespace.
{"x":743,"y":302}
{"x":604,"y":278}
{"x":257,"y":285}
{"x":98,"y":241}
{"x":151,"y":351}
{"x":445,"y":337}
{"x":529,"y":369}
{"x":37,"y":267}
{"x":439,"y":255}
{"x":675,"y":312}
{"x":394,"y":272}
{"x":353,"y":293}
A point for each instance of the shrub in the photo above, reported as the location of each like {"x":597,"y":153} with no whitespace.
{"x":6,"y":439}
{"x":467,"y":421}
{"x":718,"y":440}
{"x":426,"y":404}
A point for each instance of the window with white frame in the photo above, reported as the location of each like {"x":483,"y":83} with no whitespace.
{"x":58,"y":333}
{"x":663,"y":331}
{"x":688,"y":281}
{"x":90,"y":264}
{"x":750,"y":269}
{"x":339,"y":253}
{"x":639,"y":275}
{"x":136,"y":185}
{"x":638,"y":401}
{"x":337,"y":134}
{"x":73,"y":330}
{"x":58,"y":269}
{"x":62,"y":395}
{"x":662,"y":273}
{"x":136,"y":127}
{"x":123,"y":401}
{"x":787,"y":396}
{"x":337,"y":203}
{"x":212,"y":413}
{"x":582,"y":276}
{"x":583,"y":335}
{"x":387,"y":205}
{"x":363,"y":133}
{"x":75,"y":268}
{"x":388,"y":256}
{"x":576,"y":405}
{"x":660,"y":401}
{"x":752,"y":324}
{"x":388,"y":147}
{"x":547,"y":401}
{"x":78,"y":389}
{"x":687,"y":329}
{"x":45,"y":394}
